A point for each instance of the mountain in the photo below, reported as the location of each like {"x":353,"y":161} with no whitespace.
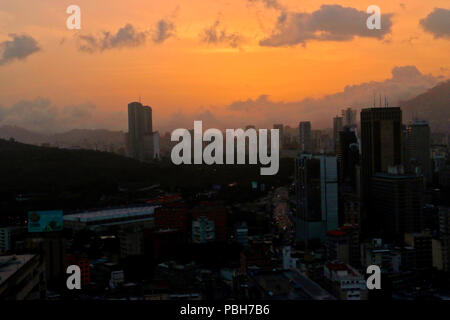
{"x":22,"y":135}
{"x":82,"y":138}
{"x":433,"y":105}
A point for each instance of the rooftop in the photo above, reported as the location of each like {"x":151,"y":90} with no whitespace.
{"x":106,"y":214}
{"x":11,"y":264}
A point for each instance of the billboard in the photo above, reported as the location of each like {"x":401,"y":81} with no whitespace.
{"x":45,"y":221}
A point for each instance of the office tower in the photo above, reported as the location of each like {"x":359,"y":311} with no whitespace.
{"x":444,"y":235}
{"x":348,"y":156}
{"x":305,"y":140}
{"x":381,"y":146}
{"x":422,"y":244}
{"x":397,"y":204}
{"x":337,"y":128}
{"x":349,"y":117}
{"x":143,"y":143}
{"x":381,"y":132}
{"x":317,"y":196}
{"x":418,"y":150}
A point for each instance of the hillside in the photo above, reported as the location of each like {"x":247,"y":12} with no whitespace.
{"x":433,"y":105}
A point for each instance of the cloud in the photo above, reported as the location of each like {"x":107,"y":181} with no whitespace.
{"x":406,"y":82}
{"x":329,"y":23}
{"x":41,"y":115}
{"x":125,"y":37}
{"x":214,"y":35}
{"x":164,"y":30}
{"x":437,"y":23}
{"x":271,"y":4}
{"x":19,"y":48}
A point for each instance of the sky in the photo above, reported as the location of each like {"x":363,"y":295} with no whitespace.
{"x":230,"y":63}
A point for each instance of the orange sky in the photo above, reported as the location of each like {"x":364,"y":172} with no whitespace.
{"x":185,"y":74}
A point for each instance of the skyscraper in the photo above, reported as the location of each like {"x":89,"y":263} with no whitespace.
{"x":337,"y":128}
{"x":141,"y":140}
{"x":305,"y":137}
{"x":418,"y":151}
{"x":317,"y":196}
{"x":349,"y":117}
{"x":381,"y":146}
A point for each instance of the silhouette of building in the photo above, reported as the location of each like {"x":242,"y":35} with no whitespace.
{"x":337,"y":128}
{"x":317,"y":196}
{"x":397,"y":204}
{"x":381,"y":147}
{"x":142,"y":142}
{"x":418,"y":149}
{"x":305,"y":139}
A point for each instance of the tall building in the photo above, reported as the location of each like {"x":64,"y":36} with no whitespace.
{"x":418,"y":149}
{"x":381,"y":147}
{"x":143,"y":143}
{"x":349,"y":117}
{"x":348,"y":156}
{"x":305,"y":140}
{"x":381,"y":134}
{"x":422,"y":244}
{"x":444,"y":235}
{"x":338,"y":124}
{"x":397,"y":204}
{"x":317,"y":196}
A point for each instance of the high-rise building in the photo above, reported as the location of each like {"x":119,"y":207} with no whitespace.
{"x":444,"y":235}
{"x":381,"y":147}
{"x":317,"y":196}
{"x":338,"y":124}
{"x":305,"y":140}
{"x":418,"y":149}
{"x":381,"y":134}
{"x":349,"y":117}
{"x":422,"y":244}
{"x":142,"y":142}
{"x":397,"y":204}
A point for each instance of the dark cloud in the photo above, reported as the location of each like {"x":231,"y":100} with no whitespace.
{"x":19,"y":48}
{"x":164,"y":30}
{"x":215,"y":35}
{"x":126,"y":36}
{"x":329,"y":23}
{"x":437,"y":23}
